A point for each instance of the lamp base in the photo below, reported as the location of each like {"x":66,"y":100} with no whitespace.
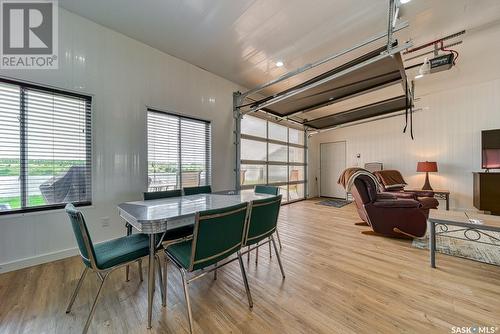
{"x":427,"y":185}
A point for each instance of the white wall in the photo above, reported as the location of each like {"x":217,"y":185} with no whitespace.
{"x":124,"y":76}
{"x":457,"y":105}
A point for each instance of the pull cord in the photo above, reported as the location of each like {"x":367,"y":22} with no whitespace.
{"x":408,"y":113}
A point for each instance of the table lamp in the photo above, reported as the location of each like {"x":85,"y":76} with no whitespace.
{"x":427,"y":167}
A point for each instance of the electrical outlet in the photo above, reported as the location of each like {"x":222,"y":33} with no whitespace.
{"x":105,"y":221}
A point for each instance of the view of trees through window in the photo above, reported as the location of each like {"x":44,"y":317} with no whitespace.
{"x":178,"y":151}
{"x":45,"y":144}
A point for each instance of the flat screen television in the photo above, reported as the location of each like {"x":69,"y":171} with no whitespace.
{"x":490,"y":141}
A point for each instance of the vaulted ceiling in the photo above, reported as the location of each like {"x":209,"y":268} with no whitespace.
{"x":241,"y":40}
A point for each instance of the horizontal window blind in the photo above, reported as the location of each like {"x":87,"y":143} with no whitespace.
{"x":179,"y":151}
{"x":10,"y":147}
{"x":45,"y":148}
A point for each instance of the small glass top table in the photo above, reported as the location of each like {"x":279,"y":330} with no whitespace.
{"x":473,"y":230}
{"x":157,"y":216}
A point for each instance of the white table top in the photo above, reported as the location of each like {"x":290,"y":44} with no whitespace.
{"x":152,"y":216}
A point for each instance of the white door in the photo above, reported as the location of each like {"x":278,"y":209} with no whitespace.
{"x":332,"y":164}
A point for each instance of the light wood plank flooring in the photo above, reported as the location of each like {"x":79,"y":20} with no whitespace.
{"x":338,"y":281}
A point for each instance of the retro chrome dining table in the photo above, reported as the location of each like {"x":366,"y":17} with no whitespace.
{"x":153,"y":217}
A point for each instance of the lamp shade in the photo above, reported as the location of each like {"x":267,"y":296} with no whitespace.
{"x":427,"y":166}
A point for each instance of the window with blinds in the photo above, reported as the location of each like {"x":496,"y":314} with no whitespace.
{"x":45,"y":148}
{"x":179,"y":151}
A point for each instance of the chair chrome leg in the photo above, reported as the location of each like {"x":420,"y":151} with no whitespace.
{"x":215,"y":272}
{"x":257,"y":254}
{"x":77,"y":289}
{"x":127,"y":268}
{"x":92,"y":310}
{"x":165,"y":281}
{"x":278,"y":257}
{"x":278,"y":236}
{"x":248,"y":254}
{"x":270,"y":252}
{"x":160,"y":277}
{"x":188,"y":303}
{"x":139,"y":263}
{"x":245,"y":281}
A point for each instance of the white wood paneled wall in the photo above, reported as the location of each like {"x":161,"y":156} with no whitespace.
{"x":124,"y":76}
{"x":457,"y":105}
{"x":448,"y":131}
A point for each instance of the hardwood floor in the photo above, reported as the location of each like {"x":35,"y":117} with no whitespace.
{"x":338,"y":281}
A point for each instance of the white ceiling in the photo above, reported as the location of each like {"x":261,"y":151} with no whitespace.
{"x":241,"y":39}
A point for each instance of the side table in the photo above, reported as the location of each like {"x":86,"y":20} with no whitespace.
{"x":439,"y":194}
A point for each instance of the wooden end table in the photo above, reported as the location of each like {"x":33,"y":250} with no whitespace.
{"x":438,"y":194}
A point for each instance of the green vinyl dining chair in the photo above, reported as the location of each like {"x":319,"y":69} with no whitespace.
{"x":105,"y":257}
{"x":197,"y":190}
{"x":172,"y":235}
{"x":150,"y":195}
{"x":262,"y":224}
{"x":268,"y":190}
{"x":218,"y":234}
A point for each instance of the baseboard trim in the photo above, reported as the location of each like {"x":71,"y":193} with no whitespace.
{"x":36,"y":260}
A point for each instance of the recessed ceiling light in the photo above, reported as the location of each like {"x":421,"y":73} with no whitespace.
{"x":279,"y":63}
{"x":404,"y":1}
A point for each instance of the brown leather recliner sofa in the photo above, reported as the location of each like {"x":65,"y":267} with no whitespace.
{"x":387,"y":214}
{"x":393,"y":182}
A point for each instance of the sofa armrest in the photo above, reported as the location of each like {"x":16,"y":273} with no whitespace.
{"x":397,"y":203}
{"x":405,"y":195}
{"x":428,"y":202}
{"x":386,"y":196}
{"x":420,"y":193}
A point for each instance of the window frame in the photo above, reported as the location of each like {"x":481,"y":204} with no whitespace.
{"x":23,"y":173}
{"x":208,"y":152}
{"x":267,"y":163}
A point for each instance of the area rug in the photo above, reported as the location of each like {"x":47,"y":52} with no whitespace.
{"x":473,"y":250}
{"x":336,"y":202}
